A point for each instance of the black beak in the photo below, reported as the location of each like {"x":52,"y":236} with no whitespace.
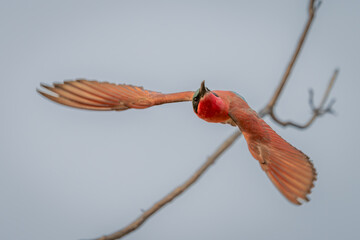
{"x":202,"y":89}
{"x":198,"y":95}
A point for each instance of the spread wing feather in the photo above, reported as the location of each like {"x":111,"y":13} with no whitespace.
{"x":104,"y":96}
{"x":289,"y":169}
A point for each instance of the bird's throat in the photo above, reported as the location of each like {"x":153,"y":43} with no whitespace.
{"x":213,"y":108}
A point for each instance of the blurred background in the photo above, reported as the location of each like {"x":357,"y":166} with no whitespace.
{"x":75,"y":174}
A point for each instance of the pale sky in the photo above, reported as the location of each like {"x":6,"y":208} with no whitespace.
{"x":72,"y":174}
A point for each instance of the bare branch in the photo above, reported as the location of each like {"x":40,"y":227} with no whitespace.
{"x":311,"y":12}
{"x":313,"y":7}
{"x":317,"y":111}
{"x":176,"y":192}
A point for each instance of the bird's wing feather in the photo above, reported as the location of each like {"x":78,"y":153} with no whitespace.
{"x":288,"y":168}
{"x":104,"y":96}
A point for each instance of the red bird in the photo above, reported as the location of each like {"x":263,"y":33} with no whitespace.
{"x":288,"y":168}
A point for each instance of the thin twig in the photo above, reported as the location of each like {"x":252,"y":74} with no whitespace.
{"x":317,"y":111}
{"x":227,"y":143}
{"x":176,"y":192}
{"x":275,"y":97}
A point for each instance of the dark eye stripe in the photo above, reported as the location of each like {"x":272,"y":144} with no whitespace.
{"x":195,"y":104}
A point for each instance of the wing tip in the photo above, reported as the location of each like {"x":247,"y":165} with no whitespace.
{"x":294,"y":189}
{"x":46,"y":91}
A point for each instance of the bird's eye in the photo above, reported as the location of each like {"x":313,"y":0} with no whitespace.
{"x":196,"y":99}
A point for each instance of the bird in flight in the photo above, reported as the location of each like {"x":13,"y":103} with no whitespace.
{"x":289,"y":169}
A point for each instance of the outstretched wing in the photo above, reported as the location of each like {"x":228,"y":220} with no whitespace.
{"x":104,"y":96}
{"x":288,"y":168}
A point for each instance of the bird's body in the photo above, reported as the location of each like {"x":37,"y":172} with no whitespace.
{"x":287,"y":167}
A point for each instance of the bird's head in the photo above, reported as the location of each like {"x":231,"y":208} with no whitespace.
{"x":204,"y":99}
{"x":209,"y":106}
